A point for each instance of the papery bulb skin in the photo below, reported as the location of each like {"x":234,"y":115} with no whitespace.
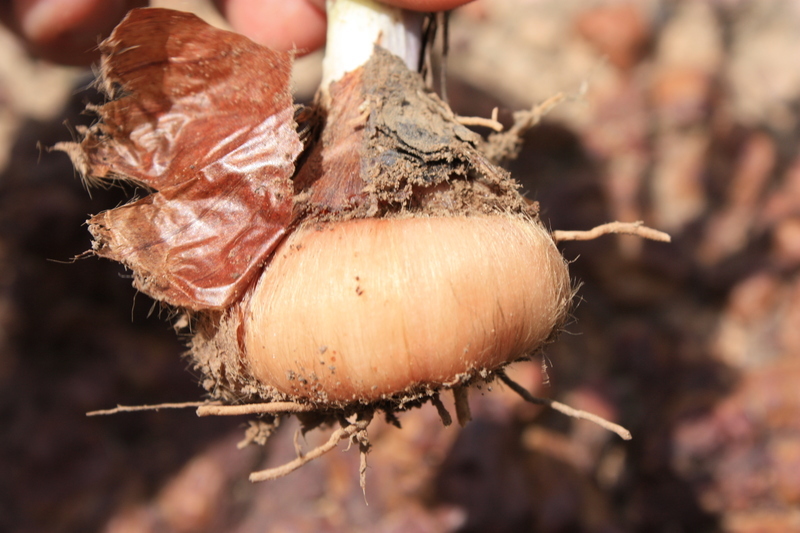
{"x":370,"y":309}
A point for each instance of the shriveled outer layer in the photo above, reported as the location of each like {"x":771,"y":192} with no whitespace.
{"x":204,"y":119}
{"x":365,"y":309}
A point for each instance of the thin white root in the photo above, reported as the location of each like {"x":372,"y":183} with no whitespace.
{"x":291,"y":466}
{"x":258,"y":433}
{"x":565,"y":409}
{"x":214,"y":408}
{"x":272,"y":408}
{"x":627,"y":228}
{"x":506,"y":145}
{"x":154,"y":407}
{"x":362,"y":472}
{"x":490,"y":123}
{"x":356,"y":430}
{"x":363,"y":450}
{"x":525,"y":120}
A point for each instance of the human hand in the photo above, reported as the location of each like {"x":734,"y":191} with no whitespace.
{"x":67,"y":31}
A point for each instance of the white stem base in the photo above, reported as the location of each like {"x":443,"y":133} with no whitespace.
{"x":356,"y":26}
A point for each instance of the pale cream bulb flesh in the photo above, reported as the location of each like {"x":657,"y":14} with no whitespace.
{"x":367,"y":309}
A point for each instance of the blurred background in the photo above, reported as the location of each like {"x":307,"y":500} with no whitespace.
{"x":680,"y":113}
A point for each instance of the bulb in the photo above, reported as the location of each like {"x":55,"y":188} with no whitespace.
{"x":367,"y":269}
{"x":366,"y":309}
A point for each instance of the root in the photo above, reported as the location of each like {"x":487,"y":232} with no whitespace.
{"x":440,"y":408}
{"x":154,"y":407}
{"x":491,"y":123}
{"x":356,"y":431}
{"x":565,"y":409}
{"x":505,"y":146}
{"x":463,"y":414}
{"x":525,"y":120}
{"x":362,"y":469}
{"x":258,"y":433}
{"x":272,"y":408}
{"x":626,"y":228}
{"x":215,"y":408}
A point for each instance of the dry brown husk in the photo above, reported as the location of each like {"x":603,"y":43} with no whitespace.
{"x":204,"y":119}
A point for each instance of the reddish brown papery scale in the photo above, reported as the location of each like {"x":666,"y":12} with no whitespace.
{"x":205,"y":118}
{"x":331,"y":174}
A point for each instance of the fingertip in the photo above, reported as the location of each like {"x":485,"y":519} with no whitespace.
{"x":66,"y":31}
{"x":280,"y":24}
